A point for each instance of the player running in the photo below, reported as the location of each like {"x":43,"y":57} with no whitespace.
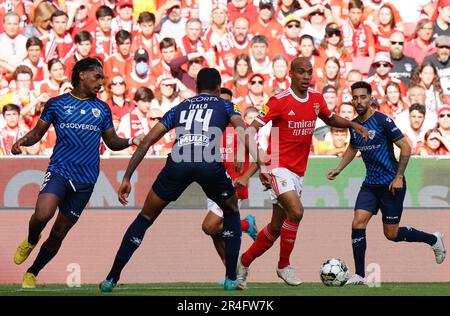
{"x":80,"y":121}
{"x":384,"y":186}
{"x":199,"y":122}
{"x":293,"y":113}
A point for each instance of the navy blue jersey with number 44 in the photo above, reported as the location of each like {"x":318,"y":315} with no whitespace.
{"x":199,"y":122}
{"x":378,"y":152}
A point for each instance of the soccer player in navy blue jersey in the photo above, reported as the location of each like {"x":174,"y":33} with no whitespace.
{"x":80,"y":121}
{"x":384,"y":186}
{"x":199,"y":123}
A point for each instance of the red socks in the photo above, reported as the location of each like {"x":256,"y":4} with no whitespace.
{"x":244,"y":225}
{"x":288,"y":235}
{"x":265,"y":240}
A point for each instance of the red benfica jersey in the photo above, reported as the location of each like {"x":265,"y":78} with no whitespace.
{"x":118,"y":65}
{"x":228,"y":151}
{"x":228,"y":50}
{"x":103,"y":47}
{"x":295,"y":120}
{"x":58,"y":48}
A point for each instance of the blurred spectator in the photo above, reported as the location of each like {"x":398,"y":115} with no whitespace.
{"x":404,"y":66}
{"x":353,"y":76}
{"x":280,"y":78}
{"x":393,"y":103}
{"x":422,"y":44}
{"x":265,"y":24}
{"x":441,"y":61}
{"x":13,"y":43}
{"x":308,"y":50}
{"x":217,"y":27}
{"x":168,"y":48}
{"x":124,"y":19}
{"x":56,"y":76}
{"x":259,"y":55}
{"x":166,"y":95}
{"x":34,"y":150}
{"x":288,"y":43}
{"x":379,"y":81}
{"x":256,"y":96}
{"x":21,"y":88}
{"x":338,"y":143}
{"x":332,"y":45}
{"x":140,"y":75}
{"x":192,"y":42}
{"x":286,"y":8}
{"x":83,"y":44}
{"x":434,"y":144}
{"x":66,"y":86}
{"x":242,"y":69}
{"x":413,"y":10}
{"x":164,"y":145}
{"x":58,"y":43}
{"x":250,"y":114}
{"x":117,"y":101}
{"x":40,"y":25}
{"x":233,"y":43}
{"x":347,"y":111}
{"x":79,"y":19}
{"x":135,"y":123}
{"x":169,"y":21}
{"x":415,"y":130}
{"x":441,"y":24}
{"x":147,"y":38}
{"x":120,"y":62}
{"x":444,"y":122}
{"x":242,"y":8}
{"x":383,"y":28}
{"x":104,"y":41}
{"x":427,"y":77}
{"x":12,"y":131}
{"x":329,"y":75}
{"x":226,"y":94}
{"x":195,"y":62}
{"x":330,"y":94}
{"x":358,"y":37}
{"x":35,"y":61}
{"x":314,"y":21}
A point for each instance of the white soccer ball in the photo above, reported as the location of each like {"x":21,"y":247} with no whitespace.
{"x":334,"y":272}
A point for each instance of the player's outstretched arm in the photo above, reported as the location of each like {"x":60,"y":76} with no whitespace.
{"x":405,"y":153}
{"x":348,"y":156}
{"x":115,"y":142}
{"x":32,"y":137}
{"x":337,"y":121}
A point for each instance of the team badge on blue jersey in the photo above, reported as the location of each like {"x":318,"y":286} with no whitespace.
{"x":96,"y":112}
{"x":372,"y":134}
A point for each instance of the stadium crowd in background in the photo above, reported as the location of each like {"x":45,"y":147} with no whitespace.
{"x":152,"y":51}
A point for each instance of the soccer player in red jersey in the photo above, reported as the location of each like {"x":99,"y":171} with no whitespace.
{"x":293,"y":113}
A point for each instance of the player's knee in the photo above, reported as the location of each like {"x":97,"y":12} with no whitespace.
{"x":209,"y":229}
{"x":295,"y":215}
{"x":391,"y":235}
{"x":275,"y":228}
{"x":43,"y":216}
{"x":358,"y":224}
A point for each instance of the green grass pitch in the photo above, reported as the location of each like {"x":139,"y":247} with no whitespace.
{"x":255,"y":289}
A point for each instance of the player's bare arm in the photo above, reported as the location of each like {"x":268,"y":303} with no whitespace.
{"x":151,"y":138}
{"x":242,"y":181}
{"x":32,"y":137}
{"x":405,"y":153}
{"x":348,"y":156}
{"x":115,"y":142}
{"x":337,"y":121}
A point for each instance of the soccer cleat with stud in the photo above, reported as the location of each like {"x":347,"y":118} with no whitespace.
{"x":23,"y":251}
{"x":356,"y":280}
{"x":242,"y":272}
{"x":233,"y":285}
{"x":287,"y":275}
{"x":252,"y":230}
{"x":107,"y":286}
{"x":439,"y":248}
{"x":29,"y":281}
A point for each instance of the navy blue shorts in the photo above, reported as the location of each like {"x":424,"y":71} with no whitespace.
{"x":73,"y":196}
{"x":374,"y":198}
{"x":175,"y":177}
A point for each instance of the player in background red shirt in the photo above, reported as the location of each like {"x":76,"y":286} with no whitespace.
{"x":213,"y":223}
{"x":293,"y":113}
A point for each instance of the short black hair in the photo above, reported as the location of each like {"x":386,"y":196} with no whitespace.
{"x":259,"y":39}
{"x":85,"y":64}
{"x":418,"y":107}
{"x":83,"y":36}
{"x":226,"y":91}
{"x":58,"y":13}
{"x":143,"y":94}
{"x":208,"y":79}
{"x":11,"y":107}
{"x":329,"y":87}
{"x":362,"y":85}
{"x":54,"y":61}
{"x":103,"y":11}
{"x":34,"y":41}
{"x":146,"y":16}
{"x":122,"y":36}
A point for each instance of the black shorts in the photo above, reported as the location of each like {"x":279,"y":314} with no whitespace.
{"x":73,"y":196}
{"x":175,"y":177}
{"x":374,"y":198}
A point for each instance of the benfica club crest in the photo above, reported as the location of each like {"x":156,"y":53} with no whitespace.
{"x":96,"y":112}
{"x":316,"y":108}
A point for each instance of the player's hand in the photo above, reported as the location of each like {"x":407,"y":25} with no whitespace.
{"x":240,"y":182}
{"x":15,"y":150}
{"x":333,"y":173}
{"x":361,"y":130}
{"x":239,"y":166}
{"x":266,"y":180}
{"x":124,"y":191}
{"x":396,"y":184}
{"x":138,"y":139}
